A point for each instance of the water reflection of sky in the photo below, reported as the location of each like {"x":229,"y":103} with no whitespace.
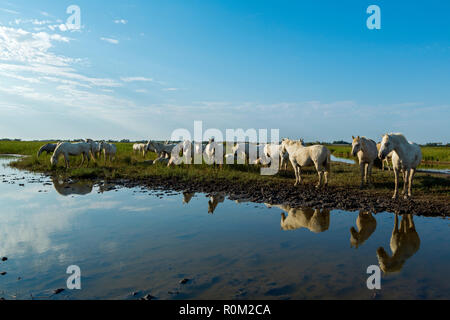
{"x":131,"y":240}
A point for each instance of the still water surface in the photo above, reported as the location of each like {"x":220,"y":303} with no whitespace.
{"x":135,"y":240}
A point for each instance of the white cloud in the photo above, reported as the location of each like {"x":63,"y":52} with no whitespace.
{"x":120,"y":21}
{"x":109,"y":40}
{"x":136,"y":79}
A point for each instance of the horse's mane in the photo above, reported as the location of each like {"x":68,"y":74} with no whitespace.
{"x":399,"y":136}
{"x":293,"y":142}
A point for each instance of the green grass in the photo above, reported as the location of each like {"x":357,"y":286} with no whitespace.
{"x":131,"y":166}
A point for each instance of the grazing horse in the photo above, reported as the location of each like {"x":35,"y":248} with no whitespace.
{"x":405,"y":242}
{"x":314,"y":220}
{"x":163,"y":150}
{"x":367,"y":152}
{"x":366,"y":224}
{"x":95,"y":148}
{"x":385,"y":162}
{"x":301,"y":156}
{"x":140,"y":148}
{"x":71,"y":149}
{"x":109,"y":151}
{"x":406,"y":158}
{"x":48,"y":148}
{"x":271,"y":150}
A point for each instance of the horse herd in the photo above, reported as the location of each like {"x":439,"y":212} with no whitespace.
{"x":406,"y":156}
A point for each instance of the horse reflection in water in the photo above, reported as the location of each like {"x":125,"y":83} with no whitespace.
{"x":315,"y":220}
{"x":214,"y":201}
{"x":366,"y":224}
{"x":72,"y":188}
{"x":187,"y":197}
{"x":405,"y":242}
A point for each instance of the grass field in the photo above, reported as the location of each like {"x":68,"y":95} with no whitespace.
{"x":131,"y":166}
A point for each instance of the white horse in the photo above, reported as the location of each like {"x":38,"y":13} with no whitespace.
{"x":95,"y":148}
{"x":301,"y":156}
{"x":140,"y":148}
{"x":367,"y":152}
{"x":214,"y":153}
{"x":109,"y":151}
{"x":247,"y":151}
{"x":71,"y":149}
{"x":183,"y":153}
{"x":48,"y":148}
{"x":406,"y":158}
{"x":163,"y":150}
{"x":271,"y":150}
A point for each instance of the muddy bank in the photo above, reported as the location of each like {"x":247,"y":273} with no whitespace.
{"x":303,"y":196}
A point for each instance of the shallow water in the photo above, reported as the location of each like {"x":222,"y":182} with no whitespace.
{"x":136,"y":240}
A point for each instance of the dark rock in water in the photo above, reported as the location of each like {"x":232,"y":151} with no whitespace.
{"x":184,"y":281}
{"x":134,"y":294}
{"x":148,"y":297}
{"x":173,"y":293}
{"x":4,"y":259}
{"x":3,"y":273}
{"x":58,"y":291}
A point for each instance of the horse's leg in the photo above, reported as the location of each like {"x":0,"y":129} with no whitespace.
{"x":405,"y":182}
{"x":369,"y":171}
{"x":362,"y":168}
{"x":66,"y":160}
{"x":326,"y":178}
{"x":320,"y":179}
{"x":396,"y":183}
{"x":82,"y":161}
{"x":411,"y":177}
{"x":300,"y":179}
{"x":296,"y":173}
{"x":88,"y":160}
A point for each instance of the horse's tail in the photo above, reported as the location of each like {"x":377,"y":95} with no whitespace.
{"x":327,"y":163}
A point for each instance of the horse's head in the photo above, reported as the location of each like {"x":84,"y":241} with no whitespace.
{"x":386,"y":147}
{"x":284,"y":142}
{"x":54,"y":160}
{"x":356,"y":145}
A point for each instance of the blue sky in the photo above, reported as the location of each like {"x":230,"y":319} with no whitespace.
{"x":141,"y":69}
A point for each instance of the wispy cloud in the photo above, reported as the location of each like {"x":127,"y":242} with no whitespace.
{"x":120,"y":21}
{"x":136,"y":79}
{"x":110,"y":40}
{"x":9,"y":11}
